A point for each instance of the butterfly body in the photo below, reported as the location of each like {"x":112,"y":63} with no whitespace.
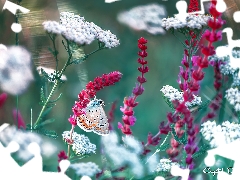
{"x":94,"y":118}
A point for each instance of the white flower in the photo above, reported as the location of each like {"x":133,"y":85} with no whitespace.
{"x":81,"y":144}
{"x":233,"y":97}
{"x":152,"y":162}
{"x":15,"y":70}
{"x":173,"y":94}
{"x":82,"y":32}
{"x":85,"y":169}
{"x":221,"y":134}
{"x":146,"y":17}
{"x":24,"y":138}
{"x":191,"y":21}
{"x":165,"y":165}
{"x":53,"y":27}
{"x":132,"y":143}
{"x":227,"y":68}
{"x":50,"y":72}
{"x":120,"y":155}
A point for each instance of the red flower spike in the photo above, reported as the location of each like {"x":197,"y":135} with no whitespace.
{"x":142,"y":53}
{"x":202,"y":63}
{"x":174,"y":143}
{"x":213,"y":11}
{"x":142,"y":61}
{"x":61,"y":156}
{"x":142,"y":47}
{"x":142,"y":41}
{"x":129,"y":103}
{"x":91,"y":90}
{"x":154,"y":141}
{"x":128,"y":113}
{"x":198,"y":75}
{"x":193,"y":85}
{"x":138,"y":90}
{"x":3,"y":98}
{"x":143,"y":69}
{"x":20,"y":121}
{"x":141,"y":79}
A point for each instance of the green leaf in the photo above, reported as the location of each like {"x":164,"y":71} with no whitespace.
{"x":53,"y":101}
{"x":202,"y":150}
{"x":46,"y":111}
{"x":78,"y":158}
{"x":48,"y":121}
{"x":169,"y":103}
{"x":200,"y":107}
{"x":42,"y":96}
{"x":49,"y":133}
{"x":164,"y":147}
{"x":184,"y":156}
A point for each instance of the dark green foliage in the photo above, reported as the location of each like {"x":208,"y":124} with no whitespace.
{"x":202,"y":150}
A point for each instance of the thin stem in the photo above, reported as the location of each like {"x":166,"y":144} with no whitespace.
{"x":45,"y":104}
{"x":158,"y":149}
{"x":17,"y":43}
{"x":69,"y":146}
{"x":87,"y":55}
{"x":31,"y":119}
{"x":54,"y":87}
{"x":184,"y":45}
{"x":53,"y":38}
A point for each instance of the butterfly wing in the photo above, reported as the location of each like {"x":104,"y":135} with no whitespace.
{"x":102,"y":128}
{"x":88,"y":121}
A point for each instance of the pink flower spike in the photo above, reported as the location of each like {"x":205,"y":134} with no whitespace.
{"x":20,"y":121}
{"x":132,"y":120}
{"x":3,"y":98}
{"x":120,"y":126}
{"x":184,"y":61}
{"x":72,"y":120}
{"x":128,"y":112}
{"x":195,"y":60}
{"x":138,"y":90}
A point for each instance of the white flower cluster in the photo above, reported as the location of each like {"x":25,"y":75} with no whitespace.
{"x":233,"y":97}
{"x":53,"y":27}
{"x":75,"y":28}
{"x":165,"y":165}
{"x":15,"y":69}
{"x":152,"y":161}
{"x":85,"y":169}
{"x":226,"y":68}
{"x":50,"y":72}
{"x":81,"y":144}
{"x":192,"y":21}
{"x":24,"y":138}
{"x":146,"y":17}
{"x":173,"y":94}
{"x":121,"y":155}
{"x":133,"y":144}
{"x":220,"y":134}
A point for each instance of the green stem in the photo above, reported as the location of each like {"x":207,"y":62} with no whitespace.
{"x":55,"y":49}
{"x":69,"y":145}
{"x":51,"y":93}
{"x":17,"y":43}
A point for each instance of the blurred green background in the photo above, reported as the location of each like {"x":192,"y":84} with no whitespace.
{"x":164,"y":58}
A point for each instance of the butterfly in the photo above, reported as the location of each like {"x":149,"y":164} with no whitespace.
{"x":94,"y":118}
